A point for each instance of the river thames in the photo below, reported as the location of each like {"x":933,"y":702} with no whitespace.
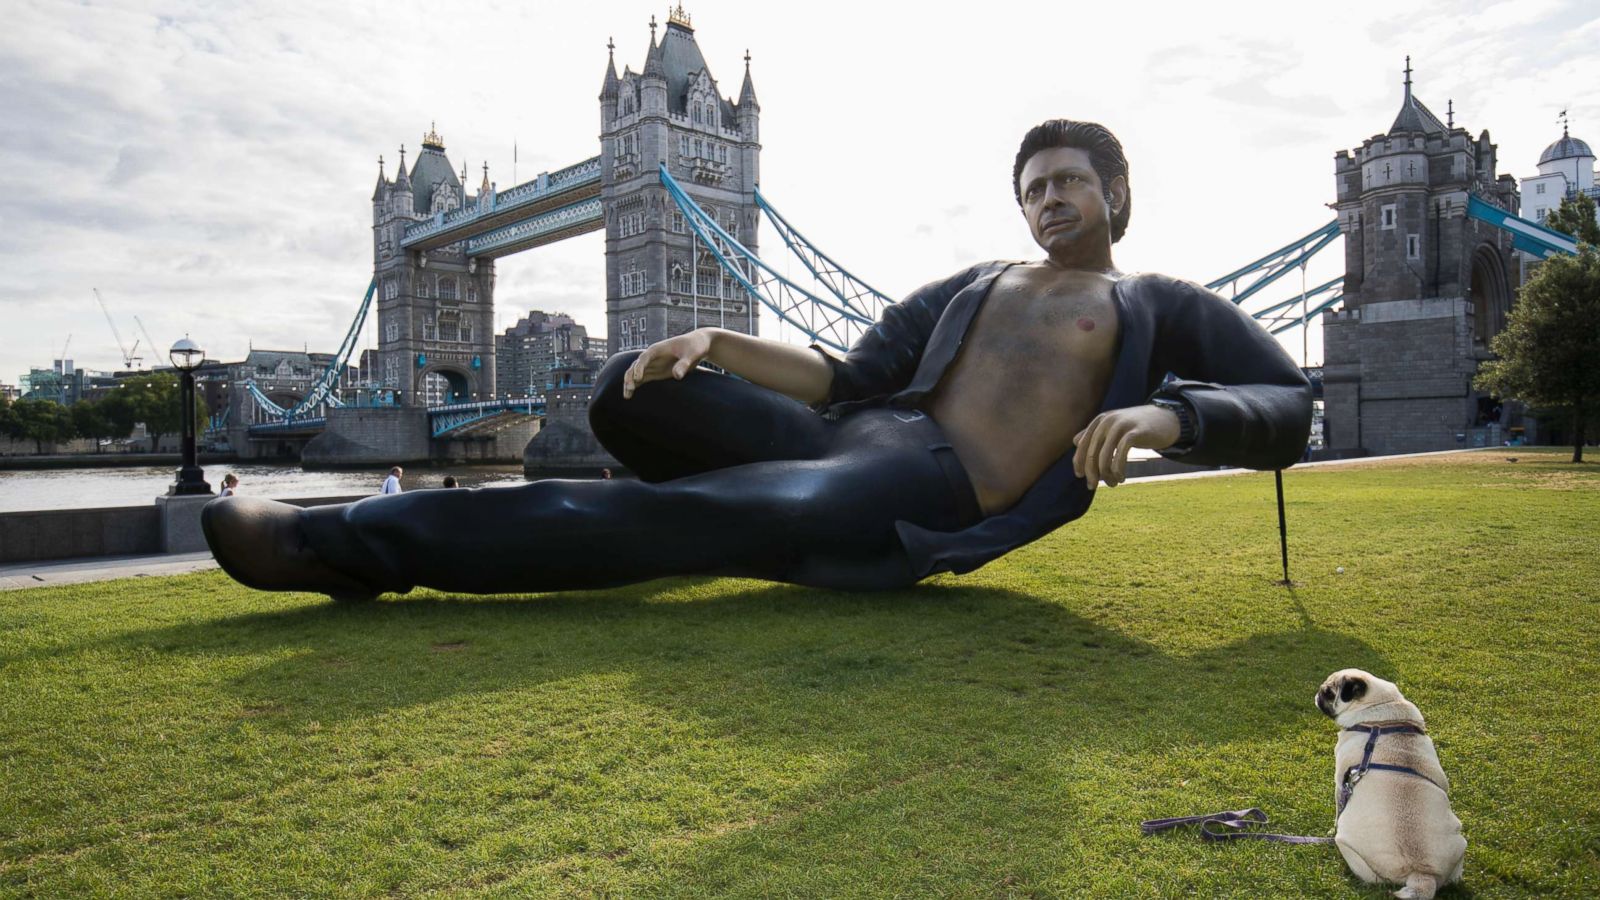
{"x":139,"y":486}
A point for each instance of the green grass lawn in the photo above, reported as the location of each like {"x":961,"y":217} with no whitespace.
{"x":998,"y":734}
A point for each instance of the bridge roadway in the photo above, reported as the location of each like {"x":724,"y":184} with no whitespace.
{"x":551,"y":207}
{"x":444,"y":420}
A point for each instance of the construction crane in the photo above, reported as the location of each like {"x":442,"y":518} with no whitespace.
{"x":64,"y":346}
{"x":128,"y":359}
{"x":149,"y":341}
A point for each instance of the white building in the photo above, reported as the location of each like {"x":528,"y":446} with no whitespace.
{"x":1566,"y":169}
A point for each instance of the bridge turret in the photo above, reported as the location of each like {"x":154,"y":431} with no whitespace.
{"x":400,"y":191}
{"x":380,"y":194}
{"x":610,"y":89}
{"x":1425,"y":285}
{"x":653,"y":83}
{"x":749,"y":108}
{"x":658,"y":283}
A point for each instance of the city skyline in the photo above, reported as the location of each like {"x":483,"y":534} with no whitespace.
{"x":208,"y":170}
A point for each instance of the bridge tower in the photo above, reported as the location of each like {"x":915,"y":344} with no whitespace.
{"x":660,"y":281}
{"x":435,"y":307}
{"x":1425,"y":287}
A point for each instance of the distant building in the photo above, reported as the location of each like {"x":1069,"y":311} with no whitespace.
{"x":284,"y":376}
{"x":66,"y":384}
{"x":44,"y":384}
{"x":10,"y":391}
{"x":1566,"y":169}
{"x":527,"y":353}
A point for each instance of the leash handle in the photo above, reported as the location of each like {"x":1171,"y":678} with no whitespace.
{"x":1240,"y":818}
{"x":1229,"y":825}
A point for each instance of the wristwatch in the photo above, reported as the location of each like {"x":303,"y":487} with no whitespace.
{"x":1186,"y":430}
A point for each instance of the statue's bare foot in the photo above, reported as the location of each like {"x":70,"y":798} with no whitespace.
{"x":261,"y":544}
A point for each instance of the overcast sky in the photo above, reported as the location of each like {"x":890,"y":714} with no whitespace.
{"x":208,"y":166}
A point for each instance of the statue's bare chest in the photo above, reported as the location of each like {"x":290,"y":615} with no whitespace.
{"x":1035,"y":320}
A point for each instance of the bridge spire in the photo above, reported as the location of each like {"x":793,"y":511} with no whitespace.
{"x":652,"y":60}
{"x":1450,"y":113}
{"x":383,"y":184}
{"x":484,"y":189}
{"x":747,"y":91}
{"x":608,"y":90}
{"x":1408,"y":78}
{"x":402,"y":181}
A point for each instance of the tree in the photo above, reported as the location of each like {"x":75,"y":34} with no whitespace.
{"x":152,"y":399}
{"x":1549,"y":352}
{"x":40,"y":421}
{"x":90,"y":420}
{"x":1575,"y":216}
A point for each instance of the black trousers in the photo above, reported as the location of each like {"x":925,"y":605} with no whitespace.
{"x":735,"y":479}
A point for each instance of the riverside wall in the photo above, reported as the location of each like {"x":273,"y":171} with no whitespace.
{"x":51,"y":534}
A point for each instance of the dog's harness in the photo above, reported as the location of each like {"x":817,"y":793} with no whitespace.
{"x":1354,"y":774}
{"x":1240,"y":823}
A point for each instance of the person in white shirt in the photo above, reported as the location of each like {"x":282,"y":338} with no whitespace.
{"x":391,"y":485}
{"x":230,"y":481}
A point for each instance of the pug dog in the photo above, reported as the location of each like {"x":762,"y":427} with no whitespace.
{"x":1394,"y":823}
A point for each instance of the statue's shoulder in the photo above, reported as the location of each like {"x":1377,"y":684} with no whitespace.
{"x":1163,"y":290}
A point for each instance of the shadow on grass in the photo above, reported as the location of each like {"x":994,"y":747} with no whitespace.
{"x":944,"y":663}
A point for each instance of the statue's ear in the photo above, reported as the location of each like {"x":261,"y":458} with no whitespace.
{"x":1352,"y":688}
{"x":1117,"y":194}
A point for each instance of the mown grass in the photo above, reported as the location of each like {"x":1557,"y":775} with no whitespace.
{"x":997,"y":734}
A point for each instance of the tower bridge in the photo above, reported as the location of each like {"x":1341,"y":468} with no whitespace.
{"x":674,"y":188}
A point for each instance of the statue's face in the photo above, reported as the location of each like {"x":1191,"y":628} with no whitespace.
{"x":1063,"y":200}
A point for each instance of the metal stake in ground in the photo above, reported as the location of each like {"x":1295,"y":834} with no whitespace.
{"x":1283,"y":531}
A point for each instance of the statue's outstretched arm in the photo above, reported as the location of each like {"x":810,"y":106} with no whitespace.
{"x":787,"y":369}
{"x":1251,"y":403}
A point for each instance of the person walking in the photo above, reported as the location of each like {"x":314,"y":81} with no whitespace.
{"x":391,"y":485}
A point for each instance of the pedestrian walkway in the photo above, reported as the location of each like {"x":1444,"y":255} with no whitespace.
{"x":101,"y":568}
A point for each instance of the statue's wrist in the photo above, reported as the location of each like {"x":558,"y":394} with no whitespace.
{"x":1186,"y":425}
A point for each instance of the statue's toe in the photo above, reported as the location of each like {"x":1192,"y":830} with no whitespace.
{"x":261,"y":544}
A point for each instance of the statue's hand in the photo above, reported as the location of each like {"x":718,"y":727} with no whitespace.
{"x":1103,"y":446}
{"x":672,"y":358}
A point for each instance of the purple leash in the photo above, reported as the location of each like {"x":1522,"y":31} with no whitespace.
{"x":1240,"y":824}
{"x":1230,"y":825}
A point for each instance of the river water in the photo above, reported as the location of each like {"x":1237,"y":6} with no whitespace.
{"x":84,"y":488}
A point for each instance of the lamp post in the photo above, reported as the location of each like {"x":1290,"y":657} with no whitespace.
{"x":186,"y":356}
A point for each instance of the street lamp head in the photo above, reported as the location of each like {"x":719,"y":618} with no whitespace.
{"x":186,"y":355}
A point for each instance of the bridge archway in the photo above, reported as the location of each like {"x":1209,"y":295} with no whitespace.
{"x":441,"y":384}
{"x":1490,"y":292}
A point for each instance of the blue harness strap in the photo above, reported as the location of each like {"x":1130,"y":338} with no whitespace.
{"x":1240,"y":824}
{"x":1353,"y":775}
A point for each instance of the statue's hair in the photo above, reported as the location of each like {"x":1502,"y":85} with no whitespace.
{"x":1105,"y":155}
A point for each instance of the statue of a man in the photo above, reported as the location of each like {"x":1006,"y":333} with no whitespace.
{"x":977,"y":415}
